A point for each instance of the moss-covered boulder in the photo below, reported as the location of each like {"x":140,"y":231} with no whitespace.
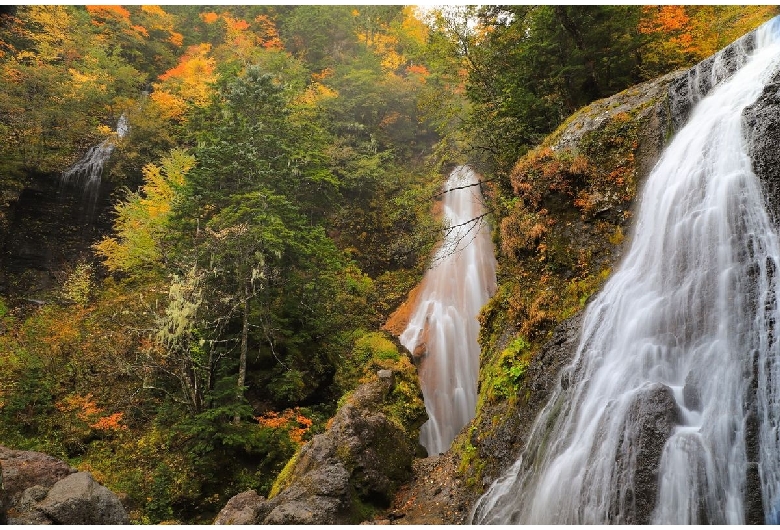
{"x":343,"y":475}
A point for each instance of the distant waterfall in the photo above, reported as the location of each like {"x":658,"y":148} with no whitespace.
{"x":670,"y":411}
{"x":444,"y":323}
{"x":88,"y":171}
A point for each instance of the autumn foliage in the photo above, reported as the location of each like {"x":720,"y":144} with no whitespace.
{"x":681,"y":35}
{"x":191,"y":78}
{"x":87,"y":411}
{"x":291,"y":420}
{"x":101,"y":14}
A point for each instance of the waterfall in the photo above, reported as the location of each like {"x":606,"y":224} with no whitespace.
{"x":88,"y":171}
{"x":669,"y":412}
{"x":444,"y":324}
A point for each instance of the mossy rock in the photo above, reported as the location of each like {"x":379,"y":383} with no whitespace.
{"x":575,"y":192}
{"x":345,"y":474}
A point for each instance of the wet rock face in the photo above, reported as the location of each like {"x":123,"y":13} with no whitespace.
{"x":45,"y":229}
{"x":541,"y":377}
{"x":359,"y":462}
{"x":761,"y":122}
{"x":696,"y":83}
{"x":655,"y":412}
{"x":40,"y":489}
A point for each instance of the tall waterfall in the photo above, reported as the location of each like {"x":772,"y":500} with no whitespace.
{"x":88,"y":171}
{"x":669,"y":412}
{"x":444,"y":323}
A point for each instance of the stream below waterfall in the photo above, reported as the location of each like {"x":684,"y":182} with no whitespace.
{"x":669,"y":412}
{"x":443,"y":326}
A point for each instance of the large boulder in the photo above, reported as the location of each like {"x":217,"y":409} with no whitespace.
{"x":79,"y":499}
{"x":24,"y":469}
{"x":40,"y":489}
{"x":341,"y":475}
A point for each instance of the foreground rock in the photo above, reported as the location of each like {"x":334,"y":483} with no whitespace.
{"x":79,"y":499}
{"x":343,"y":475}
{"x":435,"y":495}
{"x":40,"y":489}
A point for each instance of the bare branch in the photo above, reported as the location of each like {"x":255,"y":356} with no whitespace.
{"x":472,"y":220}
{"x":453,"y":247}
{"x":461,"y":187}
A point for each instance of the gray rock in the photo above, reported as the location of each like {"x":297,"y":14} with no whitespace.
{"x":386,"y":375}
{"x":79,"y":499}
{"x":27,"y":510}
{"x":24,"y":469}
{"x":650,"y":421}
{"x":40,"y":489}
{"x":761,"y":122}
{"x":31,"y":497}
{"x":241,"y":509}
{"x":697,"y":82}
{"x":316,"y":509}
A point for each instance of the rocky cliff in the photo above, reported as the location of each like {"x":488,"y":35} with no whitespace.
{"x":560,"y":237}
{"x":45,"y":228}
{"x":644,"y":117}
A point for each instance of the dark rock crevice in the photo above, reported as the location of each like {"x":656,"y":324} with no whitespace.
{"x":47,"y":229}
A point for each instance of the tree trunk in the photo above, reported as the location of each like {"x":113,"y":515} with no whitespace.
{"x":244,"y":346}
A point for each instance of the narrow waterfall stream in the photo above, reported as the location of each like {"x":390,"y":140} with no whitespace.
{"x":444,"y":324}
{"x":669,"y":412}
{"x":88,"y":171}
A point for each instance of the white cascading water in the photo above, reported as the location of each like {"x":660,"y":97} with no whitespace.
{"x":689,"y":317}
{"x":88,"y":171}
{"x":444,"y":323}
